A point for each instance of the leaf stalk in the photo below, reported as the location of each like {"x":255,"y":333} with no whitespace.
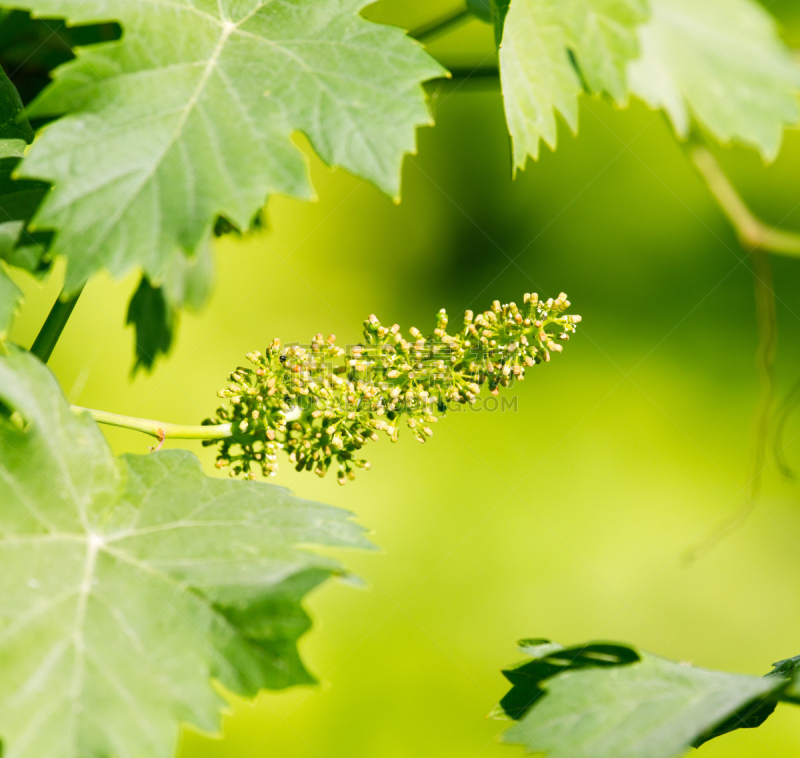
{"x":158,"y":429}
{"x":753,"y":233}
{"x":54,"y":325}
{"x":162,"y":430}
{"x":757,"y":239}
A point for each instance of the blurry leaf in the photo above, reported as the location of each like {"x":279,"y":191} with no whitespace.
{"x":189,"y":116}
{"x":790,"y":669}
{"x":18,"y":200}
{"x":552,"y":48}
{"x":13,"y":124}
{"x":188,"y":282}
{"x":721,"y":63}
{"x":128,"y":583}
{"x":499,"y":13}
{"x":497,"y":10}
{"x":481,"y":8}
{"x":754,"y":715}
{"x":538,"y":647}
{"x":153,"y":321}
{"x":550,"y":659}
{"x":10,"y":296}
{"x":611,"y":701}
{"x":154,"y":309}
{"x":30,"y":48}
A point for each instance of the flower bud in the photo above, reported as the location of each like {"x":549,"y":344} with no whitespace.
{"x":398,"y":381}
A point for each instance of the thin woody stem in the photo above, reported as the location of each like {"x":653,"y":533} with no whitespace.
{"x":158,"y":429}
{"x":766,"y":321}
{"x":753,"y":233}
{"x":161,"y":430}
{"x":51,"y":331}
{"x":757,"y":239}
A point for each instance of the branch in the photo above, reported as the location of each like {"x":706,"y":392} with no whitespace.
{"x":158,"y":429}
{"x":53,"y":326}
{"x":161,"y":430}
{"x":767,"y":324}
{"x":757,"y":239}
{"x":753,"y":233}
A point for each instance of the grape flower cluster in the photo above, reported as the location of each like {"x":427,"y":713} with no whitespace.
{"x":323,"y":403}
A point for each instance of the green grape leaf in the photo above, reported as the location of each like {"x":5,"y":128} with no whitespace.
{"x":481,"y":8}
{"x":189,"y":117}
{"x":757,"y":713}
{"x":187,"y":282}
{"x":14,"y":127}
{"x":153,"y":320}
{"x":30,"y":48}
{"x":499,"y":11}
{"x":10,"y":296}
{"x":789,"y":668}
{"x":609,"y":700}
{"x":129,"y":583}
{"x":722,"y":64}
{"x":154,"y":309}
{"x":550,"y":50}
{"x":18,"y":200}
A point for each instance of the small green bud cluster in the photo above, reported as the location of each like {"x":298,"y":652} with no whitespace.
{"x":323,"y":403}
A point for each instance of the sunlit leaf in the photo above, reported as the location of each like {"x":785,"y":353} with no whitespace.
{"x":154,"y":309}
{"x":721,"y":63}
{"x":550,"y":49}
{"x":30,"y":48}
{"x":189,"y":116}
{"x":129,"y":583}
{"x":608,"y":700}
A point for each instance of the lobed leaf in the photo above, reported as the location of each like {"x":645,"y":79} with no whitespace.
{"x":10,"y":296}
{"x":609,"y":700}
{"x":550,"y":50}
{"x":154,"y":310}
{"x":189,"y":117}
{"x":129,"y":583}
{"x":481,"y":8}
{"x":717,"y":63}
{"x":30,"y":48}
{"x":154,"y":322}
{"x":721,"y":64}
{"x":18,"y":200}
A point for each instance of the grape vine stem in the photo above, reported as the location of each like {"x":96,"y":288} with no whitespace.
{"x":752,"y":232}
{"x":161,"y":430}
{"x":757,"y":239}
{"x":54,"y":325}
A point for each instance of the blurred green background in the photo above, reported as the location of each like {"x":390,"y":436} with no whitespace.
{"x":570,"y":518}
